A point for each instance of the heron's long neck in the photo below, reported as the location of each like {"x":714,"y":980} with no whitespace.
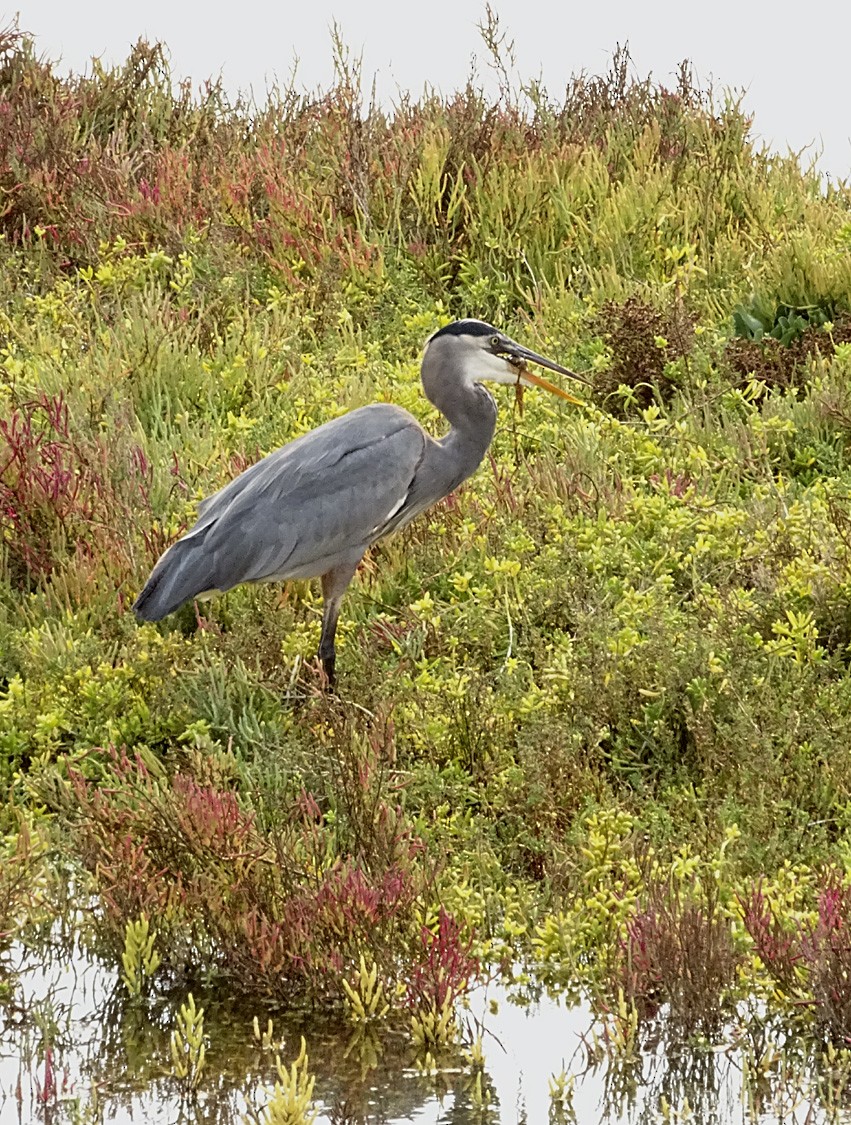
{"x":471,"y":411}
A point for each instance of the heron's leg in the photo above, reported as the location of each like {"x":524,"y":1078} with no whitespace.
{"x":327,"y":649}
{"x":334,"y":584}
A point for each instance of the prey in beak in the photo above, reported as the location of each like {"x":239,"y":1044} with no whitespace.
{"x":519,"y":356}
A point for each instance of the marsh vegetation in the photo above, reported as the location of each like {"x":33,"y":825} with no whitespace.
{"x":594,"y":722}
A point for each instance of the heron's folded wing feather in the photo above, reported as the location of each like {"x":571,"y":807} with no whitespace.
{"x":313,"y":500}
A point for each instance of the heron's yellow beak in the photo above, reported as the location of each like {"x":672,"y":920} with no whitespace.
{"x":530,"y":379}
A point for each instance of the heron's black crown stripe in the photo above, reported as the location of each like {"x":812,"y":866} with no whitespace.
{"x":466,"y":328}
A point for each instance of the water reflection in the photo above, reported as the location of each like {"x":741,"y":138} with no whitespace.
{"x":72,"y":1050}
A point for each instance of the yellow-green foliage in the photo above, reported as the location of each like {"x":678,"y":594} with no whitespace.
{"x":365,"y":999}
{"x":434,"y":1030}
{"x":140,"y":959}
{"x":621,"y":647}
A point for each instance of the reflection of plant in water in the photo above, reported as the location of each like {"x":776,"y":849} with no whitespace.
{"x":614,"y":1044}
{"x":643,"y":1064}
{"x":830,"y":1086}
{"x":561,"y":1088}
{"x":752,"y":1061}
{"x":366,"y":1044}
{"x":670,"y":1114}
{"x":477,"y":1082}
{"x":187,"y":1044}
{"x":462,"y":1070}
{"x":291,"y":1102}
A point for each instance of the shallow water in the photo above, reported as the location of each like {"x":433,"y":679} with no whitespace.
{"x":111,"y":1062}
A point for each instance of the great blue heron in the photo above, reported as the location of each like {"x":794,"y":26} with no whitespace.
{"x":313,"y":507}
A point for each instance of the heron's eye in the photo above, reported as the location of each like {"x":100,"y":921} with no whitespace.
{"x":495,"y":342}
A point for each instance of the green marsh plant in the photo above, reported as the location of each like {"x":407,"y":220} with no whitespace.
{"x":591,"y":700}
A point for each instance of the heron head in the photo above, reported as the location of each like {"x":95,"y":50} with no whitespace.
{"x":475,"y":352}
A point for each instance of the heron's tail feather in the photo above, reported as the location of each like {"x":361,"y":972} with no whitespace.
{"x":182,"y":573}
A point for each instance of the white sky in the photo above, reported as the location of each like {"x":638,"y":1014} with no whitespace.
{"x":792,"y":60}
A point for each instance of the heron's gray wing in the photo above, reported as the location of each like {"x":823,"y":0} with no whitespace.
{"x":312,"y":453}
{"x":314,"y":501}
